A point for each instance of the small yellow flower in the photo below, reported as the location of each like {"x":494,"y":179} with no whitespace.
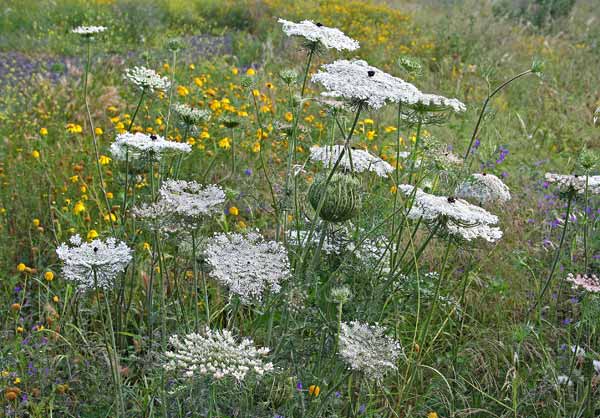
{"x":49,"y":276}
{"x":104,"y":160}
{"x":78,"y":208}
{"x":225,"y":143}
{"x":432,"y":415}
{"x":56,"y":299}
{"x":288,"y":116}
{"x":389,"y":129}
{"x":146,"y":246}
{"x":74,"y":128}
{"x":109,"y":195}
{"x":393,"y":189}
{"x":36,"y":222}
{"x":110,"y":217}
{"x":204,"y":135}
{"x":21,"y":267}
{"x":20,"y":330}
{"x":314,"y":390}
{"x":235,"y":71}
{"x":250,"y":72}
{"x":98,"y":131}
{"x":35,"y":154}
{"x":368,"y":122}
{"x":256,"y":147}
{"x":92,"y":234}
{"x":83,"y":189}
{"x":234,"y":211}
{"x":17,"y":381}
{"x":192,"y":67}
{"x":371,"y":135}
{"x":43,"y":131}
{"x":182,"y":91}
{"x":166,"y":66}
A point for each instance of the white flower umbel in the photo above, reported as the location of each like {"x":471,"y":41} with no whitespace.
{"x":88,"y":30}
{"x":588,"y":282}
{"x":159,"y":216}
{"x":102,"y":259}
{"x":147,"y":79}
{"x":460,"y":218}
{"x":216,"y":354}
{"x":139,"y":145}
{"x":316,"y":32}
{"x":577,"y":183}
{"x":191,"y":200}
{"x":366,"y":349}
{"x":483,"y":189}
{"x":190,"y":116}
{"x":426,"y":102}
{"x":361,"y":160}
{"x":357,"y":81}
{"x":247,"y":265}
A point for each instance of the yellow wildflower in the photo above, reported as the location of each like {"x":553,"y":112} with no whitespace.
{"x":49,"y":276}
{"x":92,"y":234}
{"x":43,"y":131}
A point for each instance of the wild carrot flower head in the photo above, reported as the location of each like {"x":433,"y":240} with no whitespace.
{"x":317,"y":33}
{"x":483,"y":188}
{"x":358,"y":82}
{"x":94,"y":263}
{"x":216,"y":354}
{"x":459,"y":217}
{"x":88,"y":30}
{"x":190,"y":116}
{"x":247,"y":265}
{"x":366,"y":348}
{"x":141,"y":146}
{"x":574,"y":182}
{"x":181,"y":206}
{"x":587,"y":282}
{"x":147,"y":79}
{"x":361,"y":160}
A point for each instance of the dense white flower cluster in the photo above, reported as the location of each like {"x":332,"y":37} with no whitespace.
{"x":216,"y":354}
{"x":247,"y":265}
{"x":358,"y":81}
{"x":189,"y":115}
{"x":88,"y":30}
{"x":461,"y":218}
{"x":366,"y":348}
{"x":147,"y":79}
{"x":180,"y":206}
{"x":139,"y":145}
{"x":315,"y":32}
{"x":361,"y":160}
{"x":428,"y":102}
{"x":189,"y":199}
{"x":483,"y":188}
{"x":93,"y":264}
{"x":588,"y":282}
{"x":566,"y":182}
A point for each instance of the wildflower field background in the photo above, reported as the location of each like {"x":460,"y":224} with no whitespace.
{"x":190,"y":228}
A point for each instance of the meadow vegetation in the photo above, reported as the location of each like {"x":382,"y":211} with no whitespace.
{"x":217,"y":238}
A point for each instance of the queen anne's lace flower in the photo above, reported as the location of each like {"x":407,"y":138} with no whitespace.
{"x":139,"y":145}
{"x":216,"y":354}
{"x":427,"y":102}
{"x":102,"y":259}
{"x":247,"y":265}
{"x":88,"y":30}
{"x":566,"y":182}
{"x":181,"y":205}
{"x":483,"y":188}
{"x":589,"y":282}
{"x":147,"y":79}
{"x":358,"y":81}
{"x":189,"y":115}
{"x":361,"y":160}
{"x":460,"y":217}
{"x":189,"y":199}
{"x":366,"y":348}
{"x":328,"y":37}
